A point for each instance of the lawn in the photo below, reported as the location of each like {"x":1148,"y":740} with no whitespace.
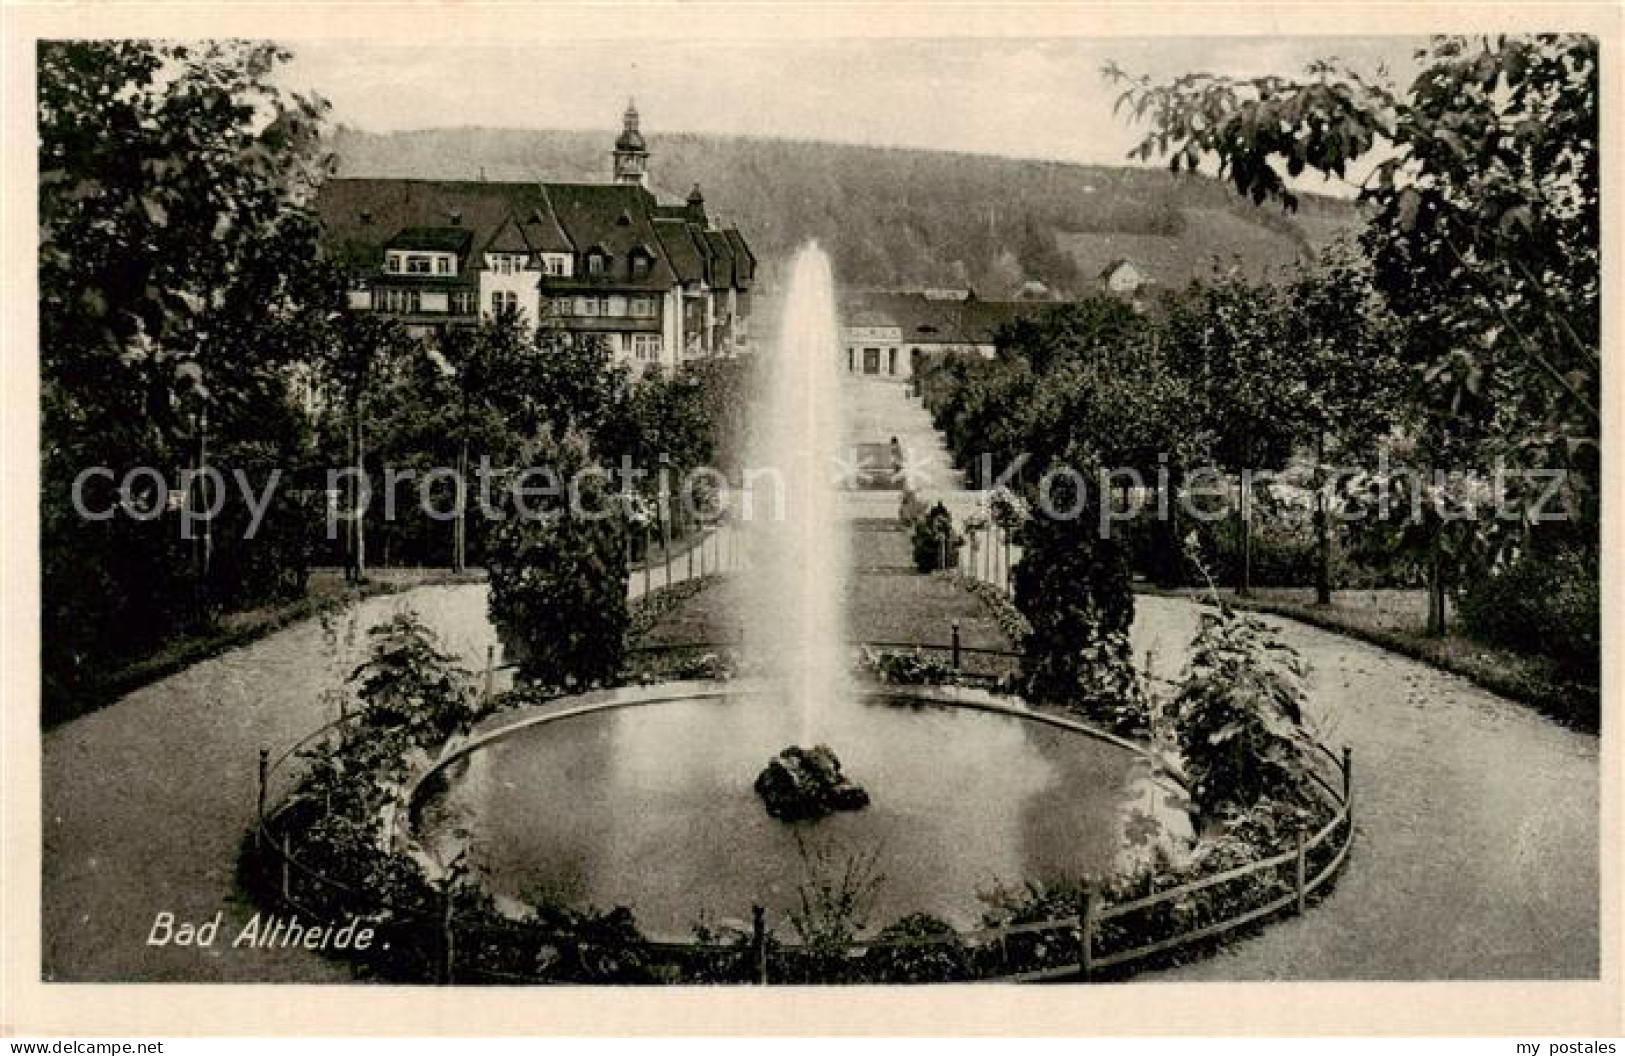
{"x":886,"y":601}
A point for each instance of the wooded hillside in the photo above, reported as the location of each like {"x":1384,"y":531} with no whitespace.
{"x":894,"y":217}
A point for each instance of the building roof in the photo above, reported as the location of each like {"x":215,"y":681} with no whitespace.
{"x":868,"y":317}
{"x":722,"y":258}
{"x":687,"y":259}
{"x":929,"y":321}
{"x":542,"y":230}
{"x":360,"y":218}
{"x":508,"y":239}
{"x":438,"y":239}
{"x":744,"y":259}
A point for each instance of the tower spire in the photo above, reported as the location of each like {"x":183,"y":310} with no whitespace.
{"x":631,"y":152}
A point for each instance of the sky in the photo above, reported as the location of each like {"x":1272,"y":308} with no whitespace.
{"x":1040,"y":98}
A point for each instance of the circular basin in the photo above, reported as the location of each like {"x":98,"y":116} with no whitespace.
{"x":644,"y":799}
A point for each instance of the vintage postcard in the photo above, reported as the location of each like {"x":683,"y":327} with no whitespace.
{"x":641,"y":519}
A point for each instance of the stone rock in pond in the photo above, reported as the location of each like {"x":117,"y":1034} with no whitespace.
{"x":800,"y":784}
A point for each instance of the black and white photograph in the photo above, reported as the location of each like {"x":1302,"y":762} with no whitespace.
{"x":672,"y":509}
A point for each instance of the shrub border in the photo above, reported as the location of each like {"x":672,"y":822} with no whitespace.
{"x":1083,"y":926}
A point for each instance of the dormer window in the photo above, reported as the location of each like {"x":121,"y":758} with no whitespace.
{"x":640,"y":261}
{"x":597,"y":262}
{"x":505,"y":263}
{"x":404,"y":262}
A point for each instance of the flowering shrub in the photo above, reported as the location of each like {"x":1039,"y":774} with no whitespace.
{"x":998,"y":604}
{"x":1238,"y":715}
{"x":943,"y":958}
{"x":913,"y":668}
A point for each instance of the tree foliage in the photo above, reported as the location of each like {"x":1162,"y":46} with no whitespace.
{"x":177,"y":278}
{"x":1484,"y":221}
{"x":1072,"y":585}
{"x":558,"y":568}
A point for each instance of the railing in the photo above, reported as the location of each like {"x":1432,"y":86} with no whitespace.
{"x":1101,"y":936}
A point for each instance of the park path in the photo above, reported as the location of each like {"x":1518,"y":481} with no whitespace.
{"x":1476,"y":825}
{"x":1476,"y":818}
{"x":145,"y":803}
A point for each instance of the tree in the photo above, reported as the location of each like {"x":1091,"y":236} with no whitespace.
{"x":1072,"y":585}
{"x":1348,"y":350}
{"x":558,"y":568}
{"x":934,"y":542}
{"x":1484,"y":219}
{"x":1228,"y":340}
{"x":488,"y":367}
{"x":362,"y":353}
{"x":177,"y":276}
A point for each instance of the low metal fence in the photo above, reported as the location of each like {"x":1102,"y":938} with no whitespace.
{"x":1102,"y":935}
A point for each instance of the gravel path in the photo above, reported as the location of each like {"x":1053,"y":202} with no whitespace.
{"x":1476,"y":853}
{"x":146,"y":802}
{"x":1477,"y":819}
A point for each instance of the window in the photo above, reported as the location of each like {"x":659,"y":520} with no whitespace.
{"x":640,"y":265}
{"x":645,"y":307}
{"x":399,"y":301}
{"x":501,"y":299}
{"x":586,"y":306}
{"x":595,"y":264}
{"x":614,"y":304}
{"x":646,"y":347}
{"x":556,"y":264}
{"x":463,"y":302}
{"x":401,"y":262}
{"x":505,"y":263}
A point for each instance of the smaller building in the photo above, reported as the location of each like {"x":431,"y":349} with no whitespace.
{"x":873,"y":344}
{"x":886,"y":333}
{"x":1123,"y":278}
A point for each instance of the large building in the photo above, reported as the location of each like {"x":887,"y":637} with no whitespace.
{"x":659,"y":281}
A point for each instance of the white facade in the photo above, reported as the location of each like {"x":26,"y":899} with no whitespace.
{"x":875,"y":351}
{"x":516,"y":287}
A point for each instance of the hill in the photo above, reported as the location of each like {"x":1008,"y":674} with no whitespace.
{"x":894,"y":217}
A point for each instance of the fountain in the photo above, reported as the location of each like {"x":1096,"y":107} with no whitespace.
{"x":796,"y":581}
{"x":656,"y":797}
